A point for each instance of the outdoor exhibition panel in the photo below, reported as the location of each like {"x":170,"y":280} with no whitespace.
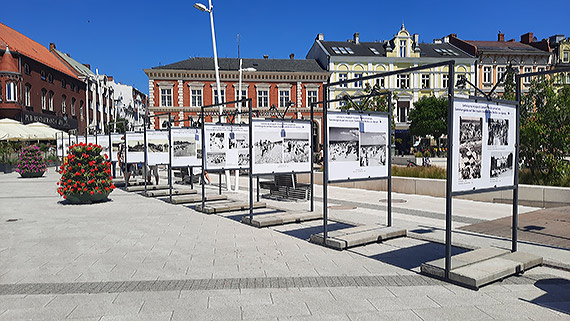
{"x":281,"y":146}
{"x":157,"y":147}
{"x":102,"y":140}
{"x":115,"y":142}
{"x":186,"y":147}
{"x":357,"y":145}
{"x":484,"y":145}
{"x":135,"y":147}
{"x":227,"y":146}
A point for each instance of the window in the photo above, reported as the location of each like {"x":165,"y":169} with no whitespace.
{"x":312,"y":97}
{"x":81,"y":103}
{"x":358,"y":84}
{"x":50,"y":78}
{"x":343,"y":77}
{"x":195,"y":97}
{"x":72,"y":86}
{"x":402,"y":48}
{"x":403,"y":81}
{"x":72,"y":106}
{"x":50,"y":101}
{"x":425,"y":81}
{"x":380,"y":82}
{"x":444,"y":81}
{"x":500,"y":72}
{"x":565,"y":58}
{"x":283,"y":98}
{"x":43,"y":75}
{"x":27,"y":69}
{"x":223,"y":94}
{"x":403,"y":111}
{"x":63,"y":107}
{"x":540,"y":69}
{"x":27,"y":95}
{"x":487,"y":75}
{"x":11,"y":94}
{"x":526,"y":71}
{"x":263,"y":98}
{"x":63,"y":83}
{"x":243,"y":95}
{"x":166,"y":97}
{"x":44,"y":106}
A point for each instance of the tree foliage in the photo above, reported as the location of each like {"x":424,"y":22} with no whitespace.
{"x":545,"y":132}
{"x":509,"y":85}
{"x":429,"y":117}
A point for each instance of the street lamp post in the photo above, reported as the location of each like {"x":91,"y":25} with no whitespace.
{"x":241,"y":70}
{"x":209,"y":9}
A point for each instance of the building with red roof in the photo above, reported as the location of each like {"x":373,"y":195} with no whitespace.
{"x":35,"y":86}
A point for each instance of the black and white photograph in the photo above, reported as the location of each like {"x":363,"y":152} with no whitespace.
{"x":240,"y":141}
{"x":343,"y":144}
{"x":243,"y":159}
{"x":268,"y":149}
{"x":498,"y":132}
{"x":184,"y":147}
{"x":217,"y":141}
{"x":296,"y":148}
{"x":158,"y":146}
{"x":470,"y":147}
{"x":372,"y":149}
{"x":501,"y":164}
{"x":135,"y":146}
{"x":216,"y":159}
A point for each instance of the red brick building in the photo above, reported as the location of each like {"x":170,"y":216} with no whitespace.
{"x":183,"y":87}
{"x":35,"y":86}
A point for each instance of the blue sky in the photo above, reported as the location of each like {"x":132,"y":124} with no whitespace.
{"x":121,"y":38}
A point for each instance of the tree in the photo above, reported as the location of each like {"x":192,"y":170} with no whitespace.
{"x":509,"y":85}
{"x":429,"y":117}
{"x":545,"y":131}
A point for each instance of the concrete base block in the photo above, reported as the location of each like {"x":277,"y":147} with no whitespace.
{"x":482,"y":266}
{"x":185,"y":199}
{"x":166,"y":192}
{"x":356,"y":236}
{"x":228,"y":207}
{"x":265,"y":220}
{"x":140,"y":188}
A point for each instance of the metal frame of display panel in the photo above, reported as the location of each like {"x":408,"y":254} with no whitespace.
{"x":169,"y":124}
{"x":203,"y":128}
{"x":325,"y":103}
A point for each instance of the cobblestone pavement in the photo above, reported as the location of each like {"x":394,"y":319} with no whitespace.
{"x":136,"y":258}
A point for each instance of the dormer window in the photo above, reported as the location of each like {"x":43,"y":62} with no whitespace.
{"x":402,"y":48}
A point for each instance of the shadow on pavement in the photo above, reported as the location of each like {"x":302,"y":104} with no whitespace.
{"x":412,"y":257}
{"x":557,"y":296}
{"x":305,"y":233}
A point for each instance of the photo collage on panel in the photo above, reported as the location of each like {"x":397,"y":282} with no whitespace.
{"x":470,"y":147}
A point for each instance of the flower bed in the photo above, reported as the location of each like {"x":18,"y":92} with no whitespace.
{"x":31,"y":163}
{"x":86,"y":176}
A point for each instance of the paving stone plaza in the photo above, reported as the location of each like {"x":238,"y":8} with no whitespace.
{"x":138,"y":258}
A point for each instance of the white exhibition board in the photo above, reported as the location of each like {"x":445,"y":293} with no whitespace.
{"x":357,"y":145}
{"x":115,"y":142}
{"x":227,"y":146}
{"x":135,"y":147}
{"x":281,"y":146}
{"x":483,"y":145}
{"x":186,"y":147}
{"x":157,"y":147}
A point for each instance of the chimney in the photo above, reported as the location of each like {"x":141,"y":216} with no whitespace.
{"x":501,"y":37}
{"x":265,"y":57}
{"x":292,"y":56}
{"x":88,"y":66}
{"x":320,"y":36}
{"x":527,"y":38}
{"x":51,"y":46}
{"x":454,"y":35}
{"x":416,"y":38}
{"x":356,"y":37}
{"x":110,"y":78}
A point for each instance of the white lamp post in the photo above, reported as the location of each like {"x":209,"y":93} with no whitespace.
{"x":209,"y":9}
{"x":239,"y":86}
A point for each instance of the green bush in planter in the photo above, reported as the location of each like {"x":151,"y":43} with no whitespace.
{"x":31,"y":163}
{"x":86,"y":176}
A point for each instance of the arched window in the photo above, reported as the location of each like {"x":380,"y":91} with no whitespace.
{"x":81,"y":110}
{"x":63,"y":98}
{"x":44,"y":104}
{"x":11,"y":93}
{"x":50,"y":78}
{"x":50,"y":101}
{"x":72,"y":106}
{"x":28,"y":95}
{"x":27,"y":69}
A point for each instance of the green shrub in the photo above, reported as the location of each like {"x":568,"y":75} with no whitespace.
{"x":418,"y":154}
{"x":419,"y":171}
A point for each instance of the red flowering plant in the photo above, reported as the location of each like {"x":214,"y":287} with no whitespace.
{"x":86,"y":176}
{"x":31,"y":162}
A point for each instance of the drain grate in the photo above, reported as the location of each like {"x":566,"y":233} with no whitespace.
{"x":341,"y":207}
{"x":394,"y":200}
{"x":12,"y":220}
